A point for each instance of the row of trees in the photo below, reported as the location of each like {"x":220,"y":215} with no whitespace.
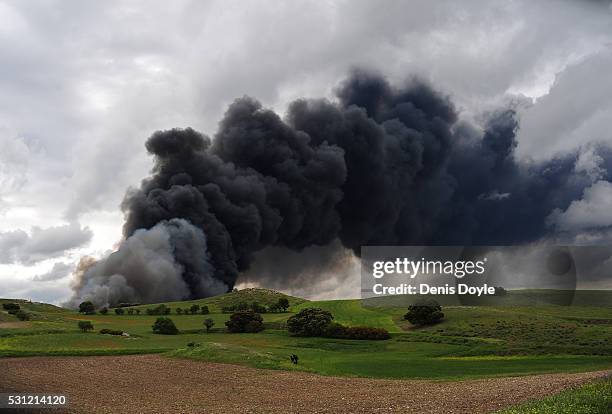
{"x":88,"y":308}
{"x":280,"y":306}
{"x":309,"y":322}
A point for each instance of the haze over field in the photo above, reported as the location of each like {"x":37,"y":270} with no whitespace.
{"x":501,"y":138}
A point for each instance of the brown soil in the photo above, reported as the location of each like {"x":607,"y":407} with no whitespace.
{"x":154,"y":384}
{"x":12,"y":325}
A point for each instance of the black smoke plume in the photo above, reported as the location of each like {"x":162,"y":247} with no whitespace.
{"x":378,"y":166}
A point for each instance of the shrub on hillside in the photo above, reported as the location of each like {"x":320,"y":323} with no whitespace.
{"x":425,"y":312}
{"x":179,"y":311}
{"x":85,"y":326}
{"x":283,"y":304}
{"x":158,"y":310}
{"x":336,"y":330}
{"x":310,"y":322}
{"x":119,"y":311}
{"x":208,"y":323}
{"x":245,"y":321}
{"x":103,"y":311}
{"x":500,"y":291}
{"x":11,"y":307}
{"x":107,"y":331}
{"x":164,"y":326}
{"x":87,"y":308}
{"x":194,"y":309}
{"x":204,"y":310}
{"x":22,"y":315}
{"x":257,"y":308}
{"x":365,"y":332}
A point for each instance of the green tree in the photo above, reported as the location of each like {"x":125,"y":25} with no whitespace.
{"x":87,"y":308}
{"x":164,"y":326}
{"x":204,"y":310}
{"x":256,"y":307}
{"x":103,"y":311}
{"x":424,"y":312}
{"x":245,"y":321}
{"x":310,"y":322}
{"x":283,"y":303}
{"x":194,"y":309}
{"x":179,"y":311}
{"x":119,"y":311}
{"x":208,"y":323}
{"x":85,"y":326}
{"x":11,"y":307}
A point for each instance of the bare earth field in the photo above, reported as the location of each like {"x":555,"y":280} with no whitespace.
{"x":154,"y":384}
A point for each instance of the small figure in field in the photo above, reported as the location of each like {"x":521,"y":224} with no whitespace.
{"x":294,"y":358}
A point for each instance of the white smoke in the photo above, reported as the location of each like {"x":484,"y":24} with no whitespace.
{"x":145,"y":269}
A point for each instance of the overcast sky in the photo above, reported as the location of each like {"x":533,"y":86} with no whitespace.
{"x":84,"y":83}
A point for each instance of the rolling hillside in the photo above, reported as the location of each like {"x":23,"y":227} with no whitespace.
{"x":470,"y":342}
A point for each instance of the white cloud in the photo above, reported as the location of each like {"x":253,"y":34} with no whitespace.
{"x":58,"y":271}
{"x":592,"y":211}
{"x":17,"y":246}
{"x":577,"y":110}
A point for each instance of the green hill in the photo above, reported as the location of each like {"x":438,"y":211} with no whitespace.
{"x":471,"y":341}
{"x":265,"y":297}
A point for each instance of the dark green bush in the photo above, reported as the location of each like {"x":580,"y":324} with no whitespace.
{"x":245,"y":321}
{"x":107,"y":331}
{"x":283,"y":304}
{"x":119,"y":311}
{"x":424,"y":312}
{"x":11,"y":307}
{"x":336,"y":330}
{"x":208,"y":323}
{"x":87,"y":307}
{"x":257,"y":308}
{"x":365,"y":332}
{"x":85,"y":326}
{"x":164,"y":326}
{"x":310,"y":322}
{"x":22,"y":315}
{"x":194,"y":309}
{"x":103,"y":311}
{"x":204,"y":310}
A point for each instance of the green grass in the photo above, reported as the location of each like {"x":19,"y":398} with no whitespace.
{"x":471,"y":342}
{"x":351,"y":313}
{"x":593,"y":398}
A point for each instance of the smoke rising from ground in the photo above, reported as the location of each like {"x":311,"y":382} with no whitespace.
{"x":379,"y":166}
{"x":148,"y":267}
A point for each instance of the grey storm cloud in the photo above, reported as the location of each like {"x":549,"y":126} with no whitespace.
{"x":59,"y":271}
{"x":18,"y":246}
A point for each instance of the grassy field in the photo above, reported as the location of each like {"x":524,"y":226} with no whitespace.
{"x":594,"y":398}
{"x":471,"y":341}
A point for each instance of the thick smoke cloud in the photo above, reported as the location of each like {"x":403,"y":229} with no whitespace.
{"x":148,"y":267}
{"x":379,"y":166}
